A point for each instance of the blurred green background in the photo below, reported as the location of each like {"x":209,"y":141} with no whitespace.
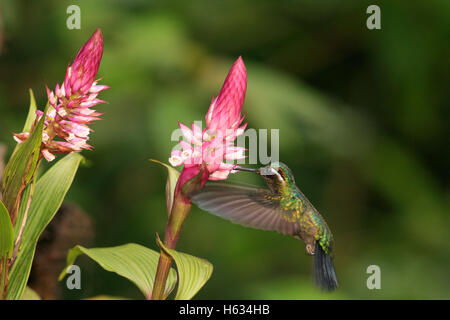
{"x":363,"y":118}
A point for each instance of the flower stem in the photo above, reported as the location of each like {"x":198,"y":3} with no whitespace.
{"x":180,"y":210}
{"x":4,"y":278}
{"x":23,"y":223}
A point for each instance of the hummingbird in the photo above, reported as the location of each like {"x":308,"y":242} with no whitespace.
{"x":281,"y":207}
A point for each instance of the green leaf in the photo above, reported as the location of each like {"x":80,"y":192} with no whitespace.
{"x":6,"y":233}
{"x":21,"y":168}
{"x":31,"y":117}
{"x":31,"y":113}
{"x":132,"y":261}
{"x":49,"y":194}
{"x":171,"y":183}
{"x":30,"y":294}
{"x":193,"y":272}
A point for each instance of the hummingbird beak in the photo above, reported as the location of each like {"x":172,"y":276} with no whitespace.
{"x":246,"y":169}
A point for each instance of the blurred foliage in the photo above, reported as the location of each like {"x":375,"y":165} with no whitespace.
{"x":363,"y":118}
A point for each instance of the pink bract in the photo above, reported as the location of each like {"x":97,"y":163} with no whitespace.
{"x":213,"y":145}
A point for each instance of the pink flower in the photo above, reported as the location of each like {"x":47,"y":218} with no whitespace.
{"x":224,"y":114}
{"x":210,"y":147}
{"x":70,"y":112}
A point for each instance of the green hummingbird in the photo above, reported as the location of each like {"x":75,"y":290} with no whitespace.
{"x":281,"y":207}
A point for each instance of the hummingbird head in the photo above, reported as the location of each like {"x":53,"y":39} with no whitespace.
{"x":276,"y":175}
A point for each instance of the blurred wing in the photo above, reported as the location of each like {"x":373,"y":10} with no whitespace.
{"x":244,"y":205}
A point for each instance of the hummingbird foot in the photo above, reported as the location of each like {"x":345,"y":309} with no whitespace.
{"x":310,"y":249}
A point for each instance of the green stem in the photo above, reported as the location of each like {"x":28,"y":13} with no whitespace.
{"x":7,"y":264}
{"x":180,"y":211}
{"x":4,"y":278}
{"x":22,"y":225}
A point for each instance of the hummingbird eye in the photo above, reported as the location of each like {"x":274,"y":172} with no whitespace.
{"x":282,"y":173}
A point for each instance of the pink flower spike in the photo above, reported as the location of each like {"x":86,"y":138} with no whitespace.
{"x":225,"y":110}
{"x":65,"y":125}
{"x":206,"y":150}
{"x":81,"y":74}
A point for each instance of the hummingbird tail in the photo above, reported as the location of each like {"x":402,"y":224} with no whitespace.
{"x":324,"y":272}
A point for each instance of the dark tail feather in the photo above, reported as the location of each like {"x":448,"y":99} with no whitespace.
{"x":324,"y":272}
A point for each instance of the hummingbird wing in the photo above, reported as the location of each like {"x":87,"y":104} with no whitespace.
{"x":245,"y":205}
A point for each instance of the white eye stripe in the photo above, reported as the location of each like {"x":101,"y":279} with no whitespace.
{"x":280,"y":178}
{"x":275,"y":172}
{"x":270,"y":171}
